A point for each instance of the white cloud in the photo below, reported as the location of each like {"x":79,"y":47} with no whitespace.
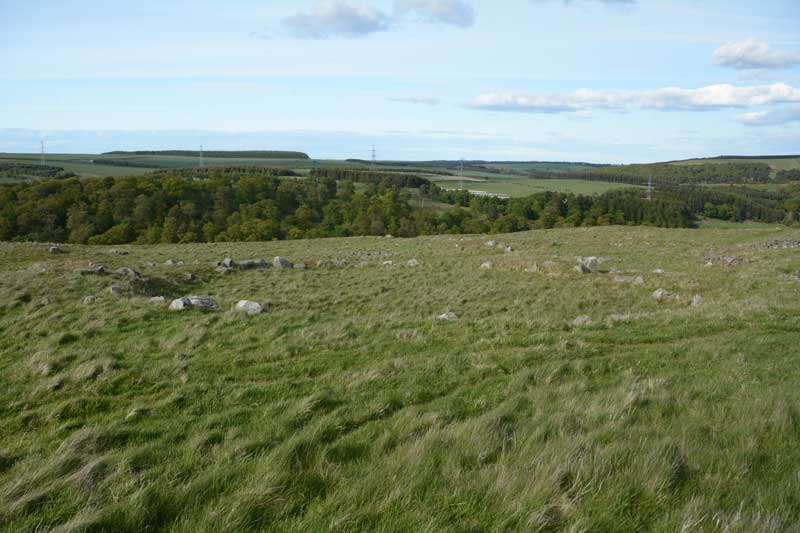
{"x":330,"y":18}
{"x":753,"y":54}
{"x":420,"y":100}
{"x":342,"y":18}
{"x":451,"y":12}
{"x":771,"y":118}
{"x":607,"y":2}
{"x":663,"y":99}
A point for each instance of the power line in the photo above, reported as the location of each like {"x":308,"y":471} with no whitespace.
{"x":41,"y":157}
{"x":650,"y":189}
{"x":200,"y":161}
{"x":372,"y":164}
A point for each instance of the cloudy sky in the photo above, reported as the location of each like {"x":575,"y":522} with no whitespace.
{"x":596,"y":80}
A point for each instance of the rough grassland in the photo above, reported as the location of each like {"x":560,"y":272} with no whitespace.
{"x":348,"y":407}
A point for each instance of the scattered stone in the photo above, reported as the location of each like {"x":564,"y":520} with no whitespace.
{"x":548,"y":265}
{"x":491,"y":244}
{"x":88,"y":300}
{"x":533,"y":269}
{"x":508,"y":249}
{"x":613,"y":319}
{"x":188,"y":276}
{"x":587,"y":265}
{"x":708,"y":264}
{"x":300,"y":266}
{"x":583,"y":320}
{"x":331,"y":263}
{"x":727,"y":260}
{"x":448,"y":316}
{"x":44,"y":301}
{"x":92,"y":269}
{"x":55,"y":250}
{"x":188,"y":302}
{"x":660,"y":295}
{"x":222,"y":269}
{"x":389,"y":236}
{"x":487,"y":264}
{"x":638,"y":280}
{"x":116,"y":291}
{"x":118,"y":252}
{"x":776,"y":244}
{"x":412,"y":262}
{"x":249,"y":308}
{"x":157,"y":300}
{"x":280,"y":262}
{"x":170,"y":262}
{"x":228,"y":262}
{"x":128,"y":273}
{"x":658,"y":271}
{"x":151,"y":264}
{"x":249,"y":264}
{"x":697,"y":300}
{"x":387,"y":263}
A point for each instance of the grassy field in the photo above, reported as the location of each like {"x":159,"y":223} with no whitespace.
{"x":348,"y":406}
{"x":517,"y":186}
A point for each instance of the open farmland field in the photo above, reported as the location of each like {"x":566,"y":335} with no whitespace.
{"x":349,"y":406}
{"x":520,"y":186}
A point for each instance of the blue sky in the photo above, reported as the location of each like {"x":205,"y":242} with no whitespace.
{"x":596,"y":80}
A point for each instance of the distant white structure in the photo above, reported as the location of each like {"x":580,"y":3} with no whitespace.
{"x":490,"y":194}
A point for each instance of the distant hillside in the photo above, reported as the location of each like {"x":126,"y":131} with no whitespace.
{"x":777,"y":163}
{"x":265,"y":154}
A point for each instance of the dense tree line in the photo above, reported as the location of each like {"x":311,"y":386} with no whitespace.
{"x":788,"y":175}
{"x":225,"y":204}
{"x":256,"y":204}
{"x":392,"y":179}
{"x":668,"y":174}
{"x":27,"y":170}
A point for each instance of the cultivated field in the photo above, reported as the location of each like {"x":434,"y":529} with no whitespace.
{"x":520,"y":186}
{"x":349,"y":406}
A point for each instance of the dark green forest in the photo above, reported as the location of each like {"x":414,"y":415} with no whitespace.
{"x":20,"y":171}
{"x":259,"y":204}
{"x":666,"y":174}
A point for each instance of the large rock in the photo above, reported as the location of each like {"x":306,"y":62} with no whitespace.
{"x":89,"y":300}
{"x":248,"y":264}
{"x":190,"y":302}
{"x":128,"y":273}
{"x":248,"y":307}
{"x":588,"y":265}
{"x":660,"y":295}
{"x":583,"y":320}
{"x":448,"y":316}
{"x":282,"y":262}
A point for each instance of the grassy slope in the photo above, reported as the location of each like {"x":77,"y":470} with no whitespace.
{"x":349,"y":407}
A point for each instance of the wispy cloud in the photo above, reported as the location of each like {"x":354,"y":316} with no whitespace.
{"x":449,"y":12}
{"x":330,"y":18}
{"x":771,"y":118}
{"x":419,"y":100}
{"x":607,"y":2}
{"x":342,"y":18}
{"x":751,"y":54}
{"x":662,"y":99}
